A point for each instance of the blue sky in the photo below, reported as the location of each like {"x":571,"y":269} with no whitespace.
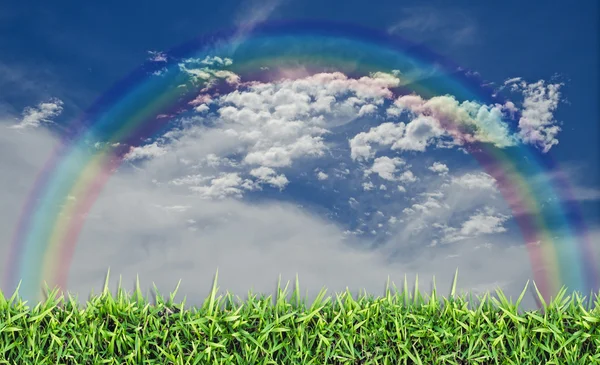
{"x":75,"y":51}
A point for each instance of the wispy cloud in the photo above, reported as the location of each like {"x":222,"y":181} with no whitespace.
{"x":252,"y":13}
{"x":44,"y":112}
{"x":575,"y":174}
{"x":586,"y":194}
{"x":428,"y":23}
{"x":255,"y":12}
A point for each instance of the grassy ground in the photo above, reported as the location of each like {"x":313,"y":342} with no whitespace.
{"x":398,"y":328}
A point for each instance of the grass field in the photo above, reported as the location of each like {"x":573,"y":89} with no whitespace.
{"x":401,"y":327}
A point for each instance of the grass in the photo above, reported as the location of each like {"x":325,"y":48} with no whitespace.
{"x":398,"y":328}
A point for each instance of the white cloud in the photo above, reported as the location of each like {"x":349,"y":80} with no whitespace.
{"x":479,"y":180}
{"x":419,"y":133}
{"x":439,"y":168}
{"x":283,"y":121}
{"x":175,"y":208}
{"x":152,"y":150}
{"x":407,"y":177}
{"x":512,"y":80}
{"x":385,"y":167}
{"x":156,"y":56}
{"x":485,"y":121}
{"x":277,"y":123}
{"x":537,"y":124}
{"x":322,"y":176}
{"x":202,"y":73}
{"x":427,"y":206}
{"x":383,"y":134}
{"x":481,"y":223}
{"x":484,"y":224}
{"x":463,"y":122}
{"x":368,"y":186}
{"x":368,"y":109}
{"x":216,"y":60}
{"x":228,"y":184}
{"x":268,"y":175}
{"x":202,"y":108}
{"x":44,"y":112}
{"x":191,"y":180}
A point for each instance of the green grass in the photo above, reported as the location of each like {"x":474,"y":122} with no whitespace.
{"x":398,"y":328}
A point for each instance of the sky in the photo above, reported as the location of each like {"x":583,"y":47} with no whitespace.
{"x":289,"y":177}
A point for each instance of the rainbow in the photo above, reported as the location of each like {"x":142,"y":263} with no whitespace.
{"x":135,"y":108}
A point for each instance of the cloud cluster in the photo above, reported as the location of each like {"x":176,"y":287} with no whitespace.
{"x":435,"y":23}
{"x":537,"y":125}
{"x":263,"y":128}
{"x":268,"y":126}
{"x":433,"y":119}
{"x":481,"y":223}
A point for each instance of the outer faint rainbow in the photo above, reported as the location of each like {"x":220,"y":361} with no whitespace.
{"x":133,"y":110}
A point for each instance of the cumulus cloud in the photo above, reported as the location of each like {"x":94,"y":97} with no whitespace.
{"x":322,"y":176}
{"x":407,"y":177}
{"x":433,"y":119}
{"x":383,"y":134}
{"x":277,"y":123}
{"x":280,"y":122}
{"x":385,"y":167}
{"x":540,"y":100}
{"x":537,"y":124}
{"x":228,"y":184}
{"x":486,"y":120}
{"x":479,"y":180}
{"x":216,"y":60}
{"x":368,"y":186}
{"x":420,"y":132}
{"x":439,"y":168}
{"x":147,"y":151}
{"x":201,"y":72}
{"x":481,"y":223}
{"x":44,"y":112}
{"x":268,"y":175}
{"x":484,"y":224}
